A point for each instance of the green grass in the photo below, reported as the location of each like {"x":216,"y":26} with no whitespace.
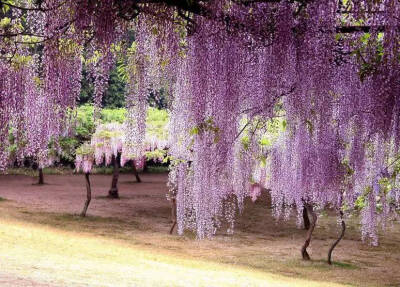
{"x":46,"y":255}
{"x":344,"y":265}
{"x":262,"y":262}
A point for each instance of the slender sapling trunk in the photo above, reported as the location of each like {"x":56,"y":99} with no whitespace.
{"x":88,"y":195}
{"x":113,"y":192}
{"x":343,"y":224}
{"x":313,"y":222}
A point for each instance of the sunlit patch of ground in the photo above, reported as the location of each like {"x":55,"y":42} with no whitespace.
{"x":43,"y":255}
{"x":126,"y":242}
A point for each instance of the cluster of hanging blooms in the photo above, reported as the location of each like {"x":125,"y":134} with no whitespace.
{"x":108,"y":142}
{"x":330,"y":68}
{"x":338,"y":89}
{"x":342,"y":118}
{"x":84,"y":158}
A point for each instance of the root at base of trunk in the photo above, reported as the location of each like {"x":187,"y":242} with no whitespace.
{"x":113,"y":193}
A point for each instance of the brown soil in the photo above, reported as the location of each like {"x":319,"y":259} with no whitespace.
{"x":67,"y":194}
{"x":142,"y":217}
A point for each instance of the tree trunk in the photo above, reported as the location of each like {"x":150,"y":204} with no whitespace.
{"x":113,"y":192}
{"x":88,"y":195}
{"x":173,"y":212}
{"x":313,"y":215}
{"x":41,"y":178}
{"x":306,"y":219}
{"x":338,"y":240}
{"x":135,"y":172}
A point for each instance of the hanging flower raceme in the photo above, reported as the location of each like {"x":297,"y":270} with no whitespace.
{"x":332,"y":70}
{"x":109,"y":141}
{"x":342,"y":123}
{"x":212,"y":169}
{"x":84,"y":158}
{"x":144,"y":76}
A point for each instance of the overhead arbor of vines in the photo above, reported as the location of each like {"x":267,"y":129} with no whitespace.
{"x":330,"y":68}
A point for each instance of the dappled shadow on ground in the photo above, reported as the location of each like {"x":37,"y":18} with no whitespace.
{"x":142,"y":217}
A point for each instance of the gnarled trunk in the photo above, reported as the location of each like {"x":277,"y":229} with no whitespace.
{"x":88,"y":195}
{"x":313,"y":215}
{"x":113,"y":192}
{"x":306,"y":220}
{"x":135,"y":172}
{"x":41,"y":177}
{"x":338,"y":240}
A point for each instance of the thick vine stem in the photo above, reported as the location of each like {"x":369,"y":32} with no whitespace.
{"x":88,"y":195}
{"x":113,"y":192}
{"x":313,"y":222}
{"x":306,"y":219}
{"x":41,"y":177}
{"x":338,"y":240}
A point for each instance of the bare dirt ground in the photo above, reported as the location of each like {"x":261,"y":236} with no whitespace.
{"x":142,"y":218}
{"x":67,"y":194}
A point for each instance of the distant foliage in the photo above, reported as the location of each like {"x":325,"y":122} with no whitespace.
{"x":156,"y":121}
{"x":109,"y":140}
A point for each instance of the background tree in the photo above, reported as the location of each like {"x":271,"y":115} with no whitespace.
{"x":84,"y":161}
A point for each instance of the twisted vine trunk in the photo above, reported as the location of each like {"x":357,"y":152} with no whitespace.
{"x":41,"y":177}
{"x":135,"y":172}
{"x":113,"y":192}
{"x":343,"y":224}
{"x":88,"y":195}
{"x":306,"y":219}
{"x":313,"y":222}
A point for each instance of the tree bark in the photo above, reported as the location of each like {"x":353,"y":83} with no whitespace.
{"x":338,"y":240}
{"x":313,"y":215}
{"x":135,"y":172}
{"x":113,"y":192}
{"x":145,"y":167}
{"x":306,"y":219}
{"x":41,"y":177}
{"x":173,"y":212}
{"x":88,"y":195}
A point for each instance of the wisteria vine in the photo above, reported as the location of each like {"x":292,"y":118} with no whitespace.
{"x":329,"y":68}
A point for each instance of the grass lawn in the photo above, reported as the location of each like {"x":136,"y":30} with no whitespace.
{"x":47,"y":255}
